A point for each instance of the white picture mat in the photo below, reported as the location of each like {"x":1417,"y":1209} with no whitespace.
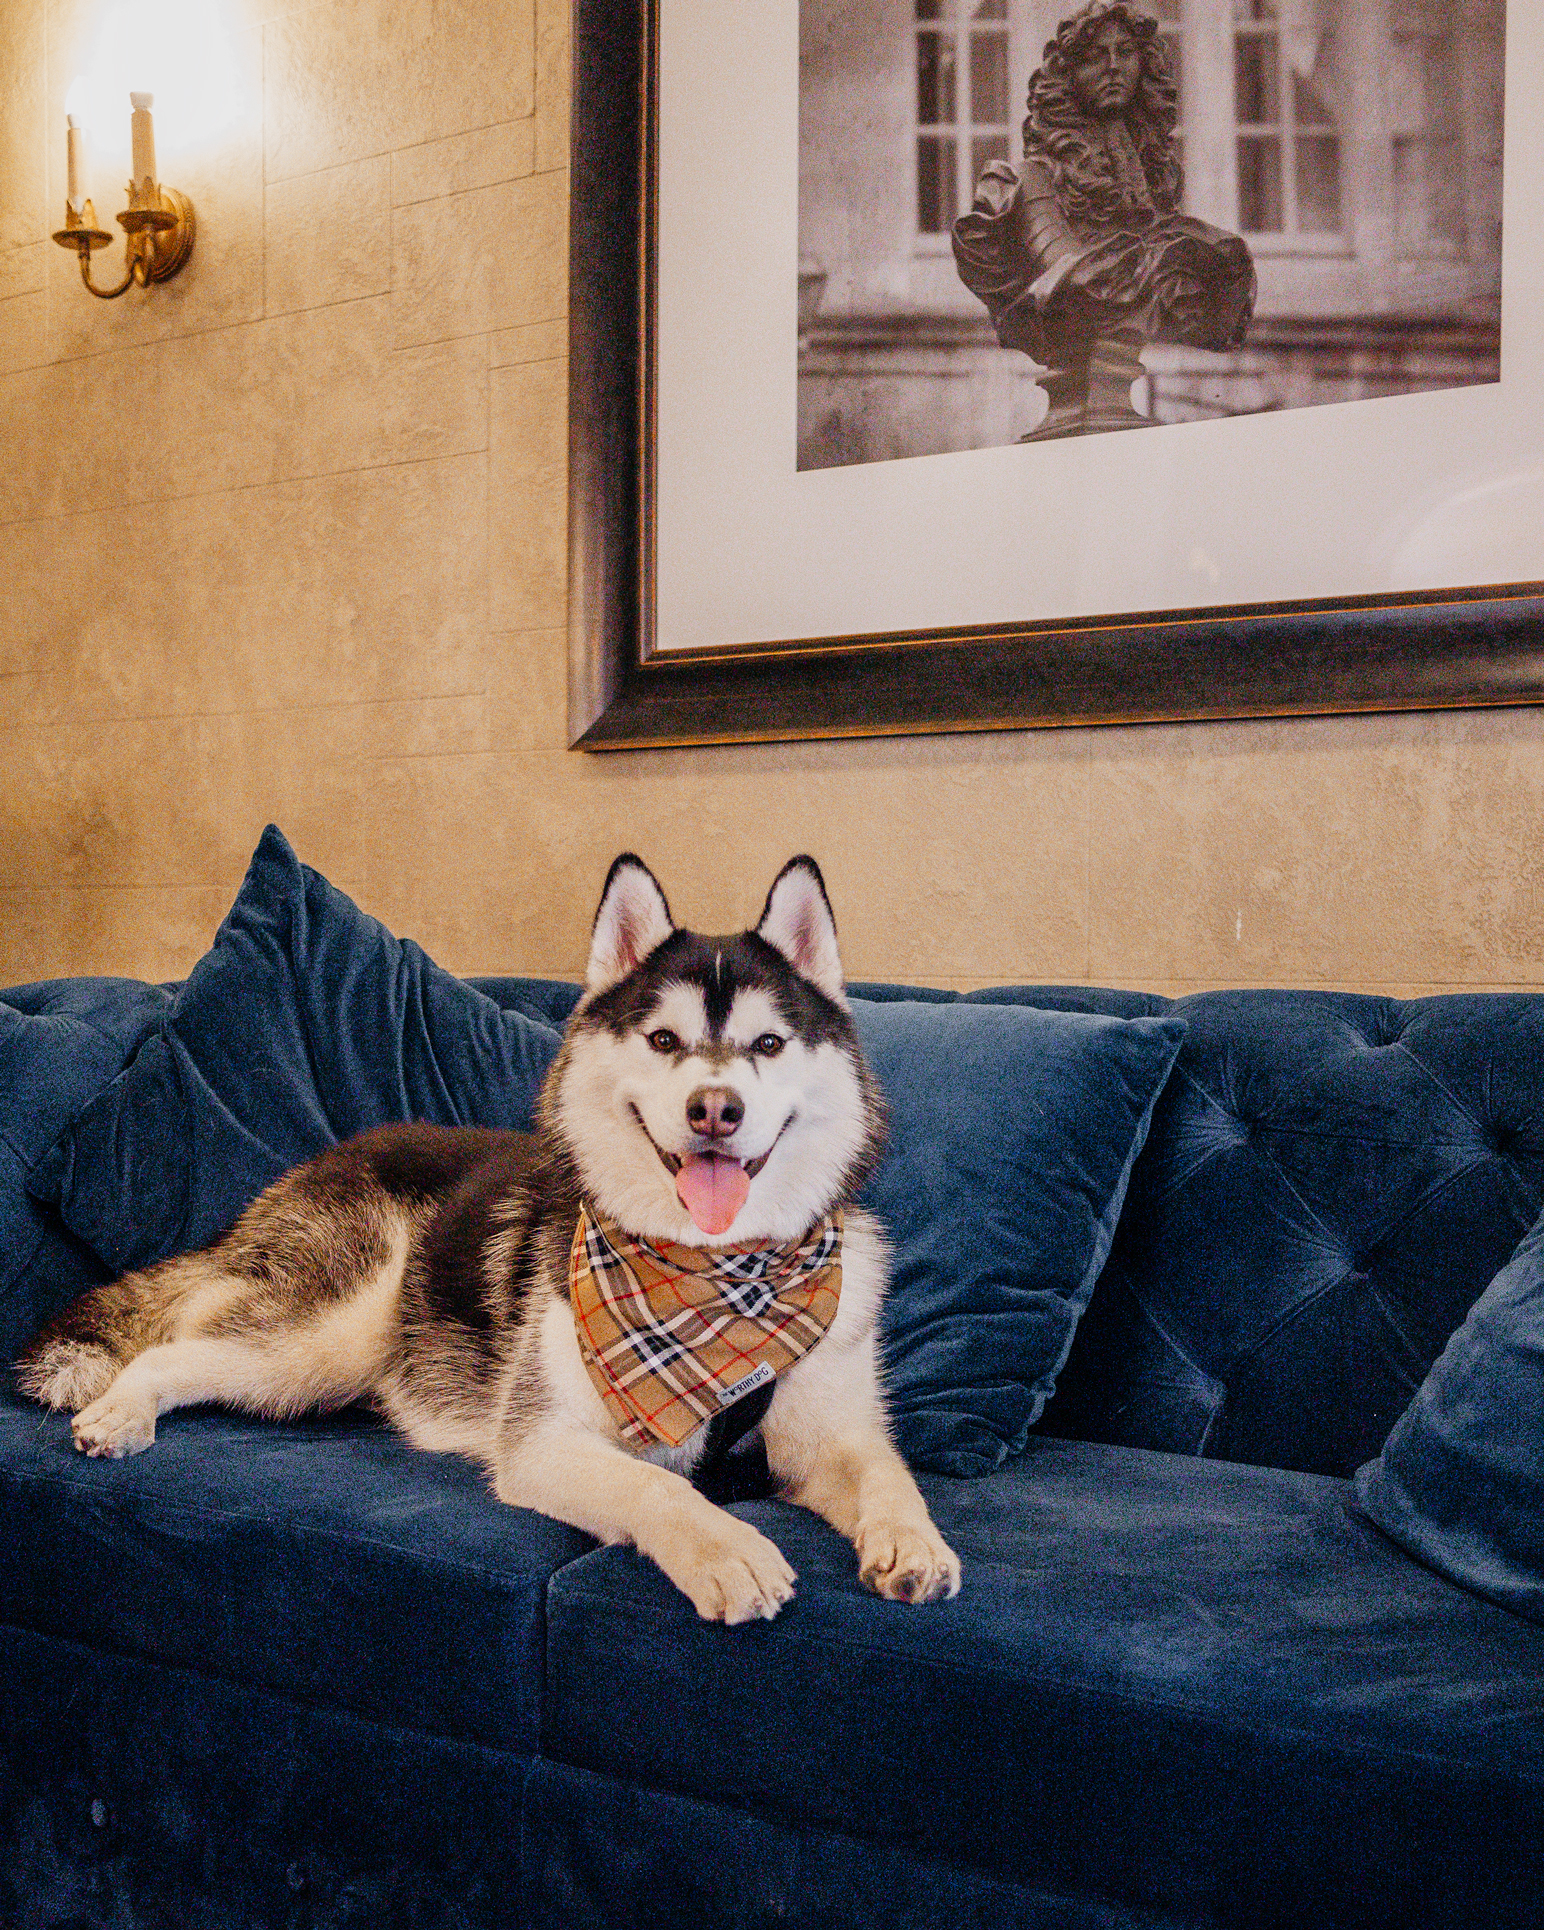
{"x":1428,"y":491}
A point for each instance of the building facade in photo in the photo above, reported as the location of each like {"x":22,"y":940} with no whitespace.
{"x":1356,"y":145}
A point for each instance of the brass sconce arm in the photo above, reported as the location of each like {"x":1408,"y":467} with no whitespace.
{"x":158,"y":221}
{"x":160,"y":239}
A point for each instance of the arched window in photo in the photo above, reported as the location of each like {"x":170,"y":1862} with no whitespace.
{"x":962,"y":104}
{"x":1288,"y":143}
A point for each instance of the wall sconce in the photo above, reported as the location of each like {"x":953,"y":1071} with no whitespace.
{"x":158,"y":221}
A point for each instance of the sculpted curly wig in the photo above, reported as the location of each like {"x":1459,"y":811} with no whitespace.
{"x":1059,"y":133}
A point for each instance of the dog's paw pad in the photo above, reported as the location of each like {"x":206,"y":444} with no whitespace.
{"x":114,"y":1426}
{"x":905,"y":1563}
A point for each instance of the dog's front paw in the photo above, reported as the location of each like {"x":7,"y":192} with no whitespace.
{"x":728,"y":1571}
{"x":907,"y":1561}
{"x":115,"y":1425}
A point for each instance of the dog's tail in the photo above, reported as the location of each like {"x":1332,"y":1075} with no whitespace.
{"x":81,"y":1352}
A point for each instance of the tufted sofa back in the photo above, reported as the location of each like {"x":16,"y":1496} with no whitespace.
{"x":1330,"y":1182}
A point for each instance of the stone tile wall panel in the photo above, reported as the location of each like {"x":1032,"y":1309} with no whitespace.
{"x":286,"y":539}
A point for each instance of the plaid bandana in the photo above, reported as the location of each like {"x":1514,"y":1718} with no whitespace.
{"x":672,"y":1335}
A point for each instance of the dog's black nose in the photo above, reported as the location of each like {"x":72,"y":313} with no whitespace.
{"x":714,"y":1111}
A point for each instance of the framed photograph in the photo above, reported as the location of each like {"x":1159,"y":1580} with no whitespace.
{"x":986,"y":364}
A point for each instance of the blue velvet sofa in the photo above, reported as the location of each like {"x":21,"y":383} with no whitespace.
{"x":303,"y":1675}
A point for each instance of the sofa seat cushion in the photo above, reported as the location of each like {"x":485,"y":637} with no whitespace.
{"x":326,"y":1560}
{"x":1186,"y":1685}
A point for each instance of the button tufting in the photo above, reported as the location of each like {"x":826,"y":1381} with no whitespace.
{"x":1377,"y":1031}
{"x":1360,"y":1211}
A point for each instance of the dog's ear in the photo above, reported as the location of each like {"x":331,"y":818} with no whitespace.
{"x":633,"y":918}
{"x":797,"y":920}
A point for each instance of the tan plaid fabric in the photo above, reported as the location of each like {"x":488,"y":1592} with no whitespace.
{"x":672,"y":1335}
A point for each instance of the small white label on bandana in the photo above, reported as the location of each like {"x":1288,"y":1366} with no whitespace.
{"x":758,"y":1377}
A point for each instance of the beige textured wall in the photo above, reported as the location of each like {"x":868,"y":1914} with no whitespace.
{"x":285,"y":540}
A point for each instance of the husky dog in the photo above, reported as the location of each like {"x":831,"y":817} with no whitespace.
{"x":701,"y":1133}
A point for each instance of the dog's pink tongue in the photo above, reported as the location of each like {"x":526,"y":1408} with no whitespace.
{"x":712,"y":1190}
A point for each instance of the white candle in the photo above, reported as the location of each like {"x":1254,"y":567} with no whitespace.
{"x":142,"y":129}
{"x":73,"y":191}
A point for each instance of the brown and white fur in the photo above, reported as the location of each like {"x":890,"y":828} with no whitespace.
{"x":425,"y":1269}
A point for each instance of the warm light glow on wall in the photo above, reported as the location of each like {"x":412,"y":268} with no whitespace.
{"x":174,"y":64}
{"x":182,"y":52}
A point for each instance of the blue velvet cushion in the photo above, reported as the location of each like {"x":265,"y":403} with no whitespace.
{"x":60,"y":1044}
{"x":305,"y":1023}
{"x":325,"y":1560}
{"x":1207,"y":1692}
{"x":1013,"y":1134}
{"x":1460,"y":1481}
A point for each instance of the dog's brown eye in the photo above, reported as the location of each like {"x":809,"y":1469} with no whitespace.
{"x":769,"y":1045}
{"x":664,"y":1040}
